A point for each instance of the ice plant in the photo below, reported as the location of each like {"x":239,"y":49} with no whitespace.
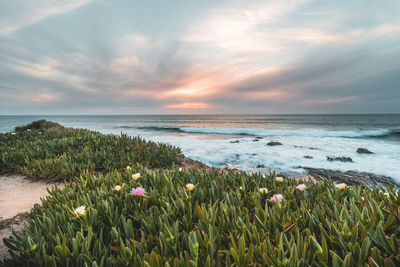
{"x":263,"y":190}
{"x":301,"y":187}
{"x":80,"y":211}
{"x":190,"y":187}
{"x":277,"y":198}
{"x":128,"y":168}
{"x":136,"y":176}
{"x":341,"y":186}
{"x":279,"y":179}
{"x":139,"y":192}
{"x":117,"y":188}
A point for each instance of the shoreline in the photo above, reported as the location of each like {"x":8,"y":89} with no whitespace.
{"x":349,"y":177}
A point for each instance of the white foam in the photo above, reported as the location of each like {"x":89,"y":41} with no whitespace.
{"x":247,"y":154}
{"x":275,"y":132}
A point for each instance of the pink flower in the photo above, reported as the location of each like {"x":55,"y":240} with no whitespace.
{"x":301,"y":187}
{"x":277,"y":197}
{"x":139,"y":191}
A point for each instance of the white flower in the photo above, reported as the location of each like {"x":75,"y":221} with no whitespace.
{"x":190,"y":187}
{"x":117,"y":188}
{"x":180,"y":169}
{"x":136,"y":176}
{"x":80,"y":211}
{"x":263,"y":190}
{"x":341,"y":186}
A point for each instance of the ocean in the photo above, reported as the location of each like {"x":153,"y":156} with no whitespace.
{"x":240,"y":141}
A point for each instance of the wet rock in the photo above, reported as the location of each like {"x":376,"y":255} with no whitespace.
{"x":259,"y":138}
{"x":260,"y":166}
{"x":274,"y":144}
{"x":311,"y":148}
{"x":234,"y":142}
{"x":361,"y":150}
{"x":308,"y":157}
{"x":353,"y":177}
{"x":342,"y":159}
{"x":256,"y":140}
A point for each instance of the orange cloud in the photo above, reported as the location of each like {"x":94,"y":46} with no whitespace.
{"x":189,"y":105}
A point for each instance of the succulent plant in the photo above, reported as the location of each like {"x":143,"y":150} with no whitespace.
{"x":220,"y":219}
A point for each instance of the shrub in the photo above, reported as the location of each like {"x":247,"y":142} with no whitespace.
{"x":224,"y":221}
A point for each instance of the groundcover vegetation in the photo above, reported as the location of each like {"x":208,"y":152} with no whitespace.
{"x":48,"y":150}
{"x":139,"y":216}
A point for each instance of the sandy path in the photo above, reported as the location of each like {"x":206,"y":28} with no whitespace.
{"x":17,"y":196}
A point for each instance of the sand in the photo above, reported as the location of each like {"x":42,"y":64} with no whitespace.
{"x":17,"y":196}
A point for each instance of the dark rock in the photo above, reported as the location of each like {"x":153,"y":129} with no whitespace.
{"x":361,"y":150}
{"x":234,"y":142}
{"x":260,"y":166}
{"x":312,"y":148}
{"x":308,"y":157}
{"x":353,"y":177}
{"x":255,"y":140}
{"x":342,"y":159}
{"x":274,"y":144}
{"x":259,"y":137}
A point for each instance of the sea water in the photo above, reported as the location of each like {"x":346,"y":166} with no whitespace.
{"x":230,"y":140}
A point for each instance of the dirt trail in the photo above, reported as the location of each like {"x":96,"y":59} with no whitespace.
{"x":17,"y":196}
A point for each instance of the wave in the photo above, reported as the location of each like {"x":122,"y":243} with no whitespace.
{"x":304,"y":133}
{"x":379,"y":133}
{"x":151,"y":128}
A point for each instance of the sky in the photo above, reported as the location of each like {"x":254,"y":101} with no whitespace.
{"x":199,"y":57}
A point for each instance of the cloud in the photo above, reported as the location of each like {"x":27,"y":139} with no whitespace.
{"x":18,"y":14}
{"x":226,"y":57}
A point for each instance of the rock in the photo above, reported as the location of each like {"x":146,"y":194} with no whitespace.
{"x":260,"y":166}
{"x":353,"y":177}
{"x":274,"y":143}
{"x":342,"y":159}
{"x":256,"y":140}
{"x":312,"y":148}
{"x":259,"y":137}
{"x":361,"y":150}
{"x":308,"y":157}
{"x":234,"y":142}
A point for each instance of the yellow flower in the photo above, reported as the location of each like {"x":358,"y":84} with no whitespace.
{"x":80,"y":211}
{"x":136,"y":176}
{"x":241,"y":187}
{"x":263,"y":190}
{"x":250,"y":174}
{"x":180,"y":169}
{"x":341,"y":186}
{"x":386,"y":194}
{"x":117,"y":188}
{"x":128,"y":168}
{"x":279,"y":179}
{"x":190,"y":187}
